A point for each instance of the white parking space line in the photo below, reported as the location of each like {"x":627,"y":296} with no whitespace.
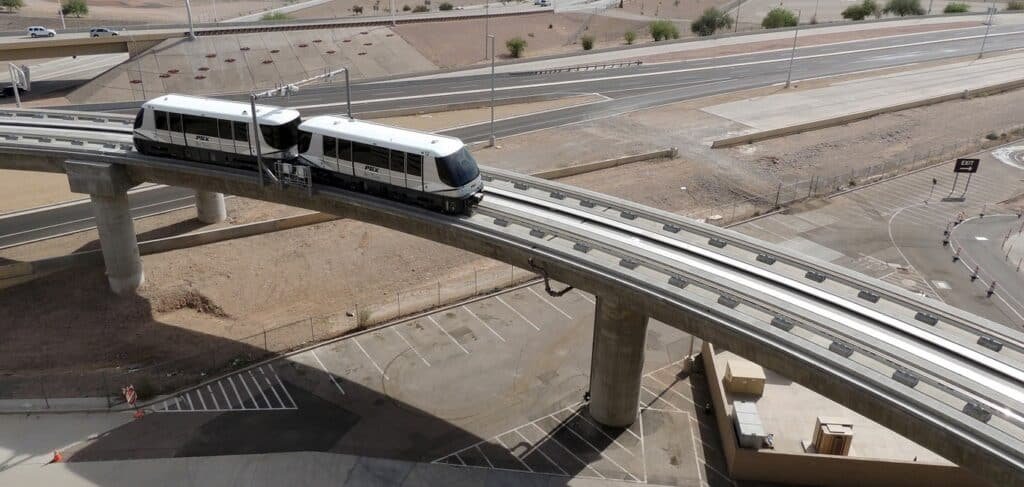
{"x":191,"y":406}
{"x":258,"y":388}
{"x":520,"y":460}
{"x":670,"y":389}
{"x":535,"y":449}
{"x":551,"y":435}
{"x":520,"y":315}
{"x":209,"y":389}
{"x":329,"y":374}
{"x":542,"y":298}
{"x":283,"y":388}
{"x":482,"y":322}
{"x":356,"y":340}
{"x":674,"y":409}
{"x":224,"y":394}
{"x":439,"y":327}
{"x":598,"y":450}
{"x":271,"y":386}
{"x":606,"y":435}
{"x":484,"y":455}
{"x":585,"y":297}
{"x":463,"y":462}
{"x":417,"y":352}
{"x":252,"y":398}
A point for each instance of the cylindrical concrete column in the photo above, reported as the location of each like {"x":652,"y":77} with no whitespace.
{"x":617,"y":363}
{"x":210,"y":207}
{"x":117,"y":239}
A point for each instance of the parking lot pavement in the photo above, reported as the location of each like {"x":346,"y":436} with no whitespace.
{"x":893,"y":230}
{"x":254,"y":389}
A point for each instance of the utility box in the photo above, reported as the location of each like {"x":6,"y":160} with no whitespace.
{"x":832,"y":436}
{"x":749,"y":429}
{"x":743,"y":377}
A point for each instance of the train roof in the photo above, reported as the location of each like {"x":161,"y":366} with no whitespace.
{"x":222,"y":109}
{"x":382,"y":135}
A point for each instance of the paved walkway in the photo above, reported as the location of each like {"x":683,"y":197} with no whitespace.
{"x":790,"y":108}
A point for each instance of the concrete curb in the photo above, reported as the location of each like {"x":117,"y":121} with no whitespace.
{"x":605,"y":164}
{"x":831,"y":122}
{"x":22,"y":272}
{"x":466,"y":105}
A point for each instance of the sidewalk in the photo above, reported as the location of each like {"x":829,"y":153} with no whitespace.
{"x":29,"y":440}
{"x":822,"y":107}
{"x":656,"y":49}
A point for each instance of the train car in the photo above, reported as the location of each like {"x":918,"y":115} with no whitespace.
{"x":429,"y":170}
{"x":215,"y":131}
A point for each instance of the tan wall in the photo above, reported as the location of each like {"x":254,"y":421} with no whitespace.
{"x":814,"y":469}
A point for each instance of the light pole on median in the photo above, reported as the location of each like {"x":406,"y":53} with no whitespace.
{"x":191,"y":30}
{"x":988,"y":27}
{"x":487,"y":26}
{"x":491,"y":38}
{"x":792,"y":53}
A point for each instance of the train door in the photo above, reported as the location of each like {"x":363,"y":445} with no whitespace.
{"x":396,"y":171}
{"x":176,"y":129}
{"x":330,"y":152}
{"x":243,"y":145}
{"x":160,"y":131}
{"x":414,"y":171}
{"x":225,"y":140}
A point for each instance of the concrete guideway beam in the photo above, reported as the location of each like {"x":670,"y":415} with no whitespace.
{"x":210,"y":207}
{"x":617,"y":362}
{"x":107,"y":186}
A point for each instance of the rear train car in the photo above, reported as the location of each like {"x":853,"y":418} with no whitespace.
{"x":429,"y":170}
{"x":215,"y":131}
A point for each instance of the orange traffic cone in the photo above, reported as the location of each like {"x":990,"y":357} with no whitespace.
{"x":139,"y":414}
{"x":57,"y":457}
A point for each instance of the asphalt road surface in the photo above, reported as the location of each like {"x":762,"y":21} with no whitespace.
{"x":627,"y":89}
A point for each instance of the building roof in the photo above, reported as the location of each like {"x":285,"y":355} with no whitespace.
{"x":226,"y":110}
{"x":383,"y":135}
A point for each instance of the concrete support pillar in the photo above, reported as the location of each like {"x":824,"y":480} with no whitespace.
{"x":107,"y":186}
{"x":617,"y":363}
{"x":210,"y":207}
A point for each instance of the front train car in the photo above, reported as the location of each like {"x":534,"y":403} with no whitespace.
{"x":215,"y":131}
{"x":426,"y":169}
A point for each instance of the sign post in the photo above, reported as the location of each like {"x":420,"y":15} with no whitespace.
{"x":963,"y":165}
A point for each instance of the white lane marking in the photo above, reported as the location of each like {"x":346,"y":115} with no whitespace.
{"x":271,"y":385}
{"x":258,"y":388}
{"x":165,"y":405}
{"x":567,"y":450}
{"x":520,"y":315}
{"x":283,"y":388}
{"x":417,"y":352}
{"x":670,"y":389}
{"x":520,"y":460}
{"x":199,"y":394}
{"x":356,"y":340}
{"x":29,"y":211}
{"x":643,"y":448}
{"x":674,"y":409}
{"x":599,"y":430}
{"x":241,"y":378}
{"x":542,"y":298}
{"x":216,"y":405}
{"x":241,"y":403}
{"x":585,"y":297}
{"x":80,"y":220}
{"x":188,"y":396}
{"x":484,"y":455}
{"x":329,"y":374}
{"x":596,"y":449}
{"x":463,"y":462}
{"x":439,"y":327}
{"x":659,"y":73}
{"x":224,"y":394}
{"x":535,"y":449}
{"x":482,"y":322}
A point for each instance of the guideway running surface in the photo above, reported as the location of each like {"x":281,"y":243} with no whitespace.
{"x":863,"y":343}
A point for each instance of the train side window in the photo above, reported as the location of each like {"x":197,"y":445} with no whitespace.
{"x":361,"y":153}
{"x":200,"y":126}
{"x":304,"y":139}
{"x":414,"y":164}
{"x":241,"y":131}
{"x":379,"y":157}
{"x":160,"y":118}
{"x":224,"y":129}
{"x":329,"y":146}
{"x":345,"y":149}
{"x":398,"y":161}
{"x":175,"y":122}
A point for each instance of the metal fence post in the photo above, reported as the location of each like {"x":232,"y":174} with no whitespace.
{"x":778,"y":192}
{"x":42,"y":387}
{"x":106,"y":389}
{"x":476,"y":282}
{"x":398,"y":296}
{"x":312,"y":335}
{"x":265,"y":347}
{"x":439,"y":292}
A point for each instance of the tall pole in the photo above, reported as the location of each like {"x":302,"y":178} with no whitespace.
{"x":215,"y":10}
{"x":191,"y":30}
{"x":736,"y":25}
{"x":792,"y":53}
{"x":814,"y":18}
{"x":348,"y":95}
{"x":393,"y":20}
{"x":491,"y":37}
{"x":487,"y":26}
{"x":988,"y":27}
{"x":255,"y":135}
{"x":60,"y":12}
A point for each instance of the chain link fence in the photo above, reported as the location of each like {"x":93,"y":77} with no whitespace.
{"x":103,"y":387}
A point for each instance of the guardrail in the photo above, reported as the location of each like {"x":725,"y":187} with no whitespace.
{"x":582,"y":67}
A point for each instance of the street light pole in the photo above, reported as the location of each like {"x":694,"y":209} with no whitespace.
{"x":736,"y":25}
{"x":491,"y":37}
{"x":191,"y":30}
{"x":792,"y":53}
{"x":255,"y":135}
{"x":988,"y":27}
{"x":487,"y":26}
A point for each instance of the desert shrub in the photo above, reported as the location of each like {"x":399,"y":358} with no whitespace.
{"x":904,"y":8}
{"x":630,"y":36}
{"x":357,"y":9}
{"x":779,"y":17}
{"x":420,"y":9}
{"x":1015,"y":5}
{"x":956,"y":8}
{"x":11,"y":5}
{"x":663,"y":30}
{"x":516,"y":46}
{"x":275,"y":16}
{"x":406,"y":8}
{"x":77,"y":8}
{"x":445,"y":6}
{"x":711,"y":21}
{"x":587,"y":42}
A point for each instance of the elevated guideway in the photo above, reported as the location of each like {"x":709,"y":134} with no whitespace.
{"x":948,"y":380}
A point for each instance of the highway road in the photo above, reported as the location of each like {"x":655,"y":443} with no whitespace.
{"x":627,"y":89}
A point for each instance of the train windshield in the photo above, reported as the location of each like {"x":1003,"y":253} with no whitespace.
{"x":138,"y":118}
{"x":457,"y":169}
{"x":281,"y":137}
{"x":304,"y":139}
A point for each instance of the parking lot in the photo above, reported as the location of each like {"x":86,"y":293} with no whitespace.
{"x":496,"y":383}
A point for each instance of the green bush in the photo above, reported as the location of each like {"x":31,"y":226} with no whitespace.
{"x":406,"y":8}
{"x":516,"y":46}
{"x":663,"y":30}
{"x":1015,"y":5}
{"x":630,"y":36}
{"x":12,"y":5}
{"x":357,"y":9}
{"x":77,"y":8}
{"x":710,"y":21}
{"x":779,"y":17}
{"x":862,"y":10}
{"x":445,"y":6}
{"x":275,"y":16}
{"x":904,"y":8}
{"x":587,"y":42}
{"x":956,"y":8}
{"x":420,"y":9}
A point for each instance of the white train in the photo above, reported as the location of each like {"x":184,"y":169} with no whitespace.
{"x":425,"y":169}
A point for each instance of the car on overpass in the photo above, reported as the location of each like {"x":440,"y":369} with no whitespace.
{"x":102,"y":32}
{"x":40,"y":31}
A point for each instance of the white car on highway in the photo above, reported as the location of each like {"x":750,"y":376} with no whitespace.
{"x":102,"y":32}
{"x":39,"y":31}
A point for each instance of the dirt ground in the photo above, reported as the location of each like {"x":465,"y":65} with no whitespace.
{"x":146,"y":11}
{"x":343,"y":8}
{"x":26,"y":189}
{"x":463,"y":42}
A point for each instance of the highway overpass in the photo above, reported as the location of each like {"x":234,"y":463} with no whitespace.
{"x":948,"y":380}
